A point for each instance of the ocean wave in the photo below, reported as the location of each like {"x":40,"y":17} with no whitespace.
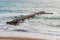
{"x":43,"y":24}
{"x":14,"y":11}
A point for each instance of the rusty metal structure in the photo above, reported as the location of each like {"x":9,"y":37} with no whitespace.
{"x":18,"y":20}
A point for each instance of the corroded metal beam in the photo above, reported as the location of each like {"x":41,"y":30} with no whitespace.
{"x":18,"y":20}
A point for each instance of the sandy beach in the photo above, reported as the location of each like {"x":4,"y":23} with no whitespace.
{"x":15,"y":38}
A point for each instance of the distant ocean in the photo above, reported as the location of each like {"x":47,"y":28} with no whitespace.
{"x":44,"y":24}
{"x":26,"y":6}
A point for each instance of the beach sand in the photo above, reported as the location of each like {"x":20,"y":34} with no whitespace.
{"x":16,"y":38}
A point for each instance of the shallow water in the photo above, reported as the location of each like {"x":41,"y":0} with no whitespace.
{"x":43,"y":24}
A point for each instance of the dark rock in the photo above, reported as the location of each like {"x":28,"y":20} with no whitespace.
{"x":22,"y":30}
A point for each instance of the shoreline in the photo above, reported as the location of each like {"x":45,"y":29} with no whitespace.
{"x":18,"y":38}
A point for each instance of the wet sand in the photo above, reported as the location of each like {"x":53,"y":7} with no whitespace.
{"x":15,"y":38}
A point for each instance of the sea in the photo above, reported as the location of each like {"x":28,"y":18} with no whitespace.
{"x":45,"y":24}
